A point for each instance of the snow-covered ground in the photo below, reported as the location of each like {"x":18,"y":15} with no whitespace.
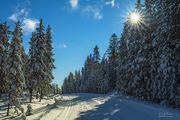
{"x":86,"y":106}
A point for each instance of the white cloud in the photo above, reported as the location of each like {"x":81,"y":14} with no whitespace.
{"x":62,"y":45}
{"x":94,"y":11}
{"x":13,"y":17}
{"x":29,"y":25}
{"x":21,"y":13}
{"x":98,"y":15}
{"x":112,"y":3}
{"x":74,"y":3}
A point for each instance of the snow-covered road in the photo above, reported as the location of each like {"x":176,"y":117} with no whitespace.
{"x":100,"y":107}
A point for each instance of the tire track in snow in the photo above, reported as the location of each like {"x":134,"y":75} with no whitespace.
{"x":77,"y":108}
{"x":88,"y":107}
{"x":66,"y":110}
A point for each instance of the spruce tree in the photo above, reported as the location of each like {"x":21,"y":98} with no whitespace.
{"x":2,"y":69}
{"x":87,"y":74}
{"x":49,"y":57}
{"x":32,"y":81}
{"x":65,"y":86}
{"x":4,"y":45}
{"x":82,"y":80}
{"x":40,"y":66}
{"x":15,"y":69}
{"x":122,"y":61}
{"x":71,"y":82}
{"x":77,"y":80}
{"x":95,"y":71}
{"x":167,"y":41}
{"x":103,"y":84}
{"x":112,"y":56}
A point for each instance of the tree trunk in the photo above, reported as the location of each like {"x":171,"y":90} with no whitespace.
{"x":8,"y":104}
{"x":30,"y":91}
{"x":40,"y":97}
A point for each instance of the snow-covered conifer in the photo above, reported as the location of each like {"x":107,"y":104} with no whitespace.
{"x":4,"y":45}
{"x":112,"y":56}
{"x":49,"y":57}
{"x":15,"y":69}
{"x":40,"y":68}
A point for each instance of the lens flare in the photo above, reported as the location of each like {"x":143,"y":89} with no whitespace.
{"x":135,"y":17}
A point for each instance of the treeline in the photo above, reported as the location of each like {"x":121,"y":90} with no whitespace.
{"x":30,"y":72}
{"x":144,"y":62}
{"x":92,"y":78}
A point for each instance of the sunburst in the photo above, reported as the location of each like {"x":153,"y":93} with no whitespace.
{"x":135,"y":18}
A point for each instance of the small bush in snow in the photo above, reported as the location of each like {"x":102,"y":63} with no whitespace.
{"x":29,"y":110}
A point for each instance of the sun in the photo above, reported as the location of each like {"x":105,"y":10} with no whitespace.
{"x":135,"y":17}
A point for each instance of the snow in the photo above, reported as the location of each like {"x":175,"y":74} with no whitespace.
{"x":124,"y":108}
{"x":84,"y":106}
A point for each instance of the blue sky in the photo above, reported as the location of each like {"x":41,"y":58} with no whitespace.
{"x":77,"y":26}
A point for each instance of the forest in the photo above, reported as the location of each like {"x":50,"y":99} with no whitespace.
{"x":22,"y":72}
{"x":137,"y":77}
{"x":144,"y":62}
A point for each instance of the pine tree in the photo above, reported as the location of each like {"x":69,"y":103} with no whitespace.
{"x":82,"y":80}
{"x":57,"y":89}
{"x":149,"y":19}
{"x":4,"y":45}
{"x":103,"y":83}
{"x":4,"y":32}
{"x":49,"y":56}
{"x":166,"y":42}
{"x":71,"y":82}
{"x":1,"y":69}
{"x":95,"y":71}
{"x":87,"y":74}
{"x":97,"y":55}
{"x":32,"y":81}
{"x":41,"y":75}
{"x":77,"y":81}
{"x":129,"y":67}
{"x":15,"y":69}
{"x":54,"y":89}
{"x":133,"y":57}
{"x":122,"y":60}
{"x":112,"y":55}
{"x":65,"y":86}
